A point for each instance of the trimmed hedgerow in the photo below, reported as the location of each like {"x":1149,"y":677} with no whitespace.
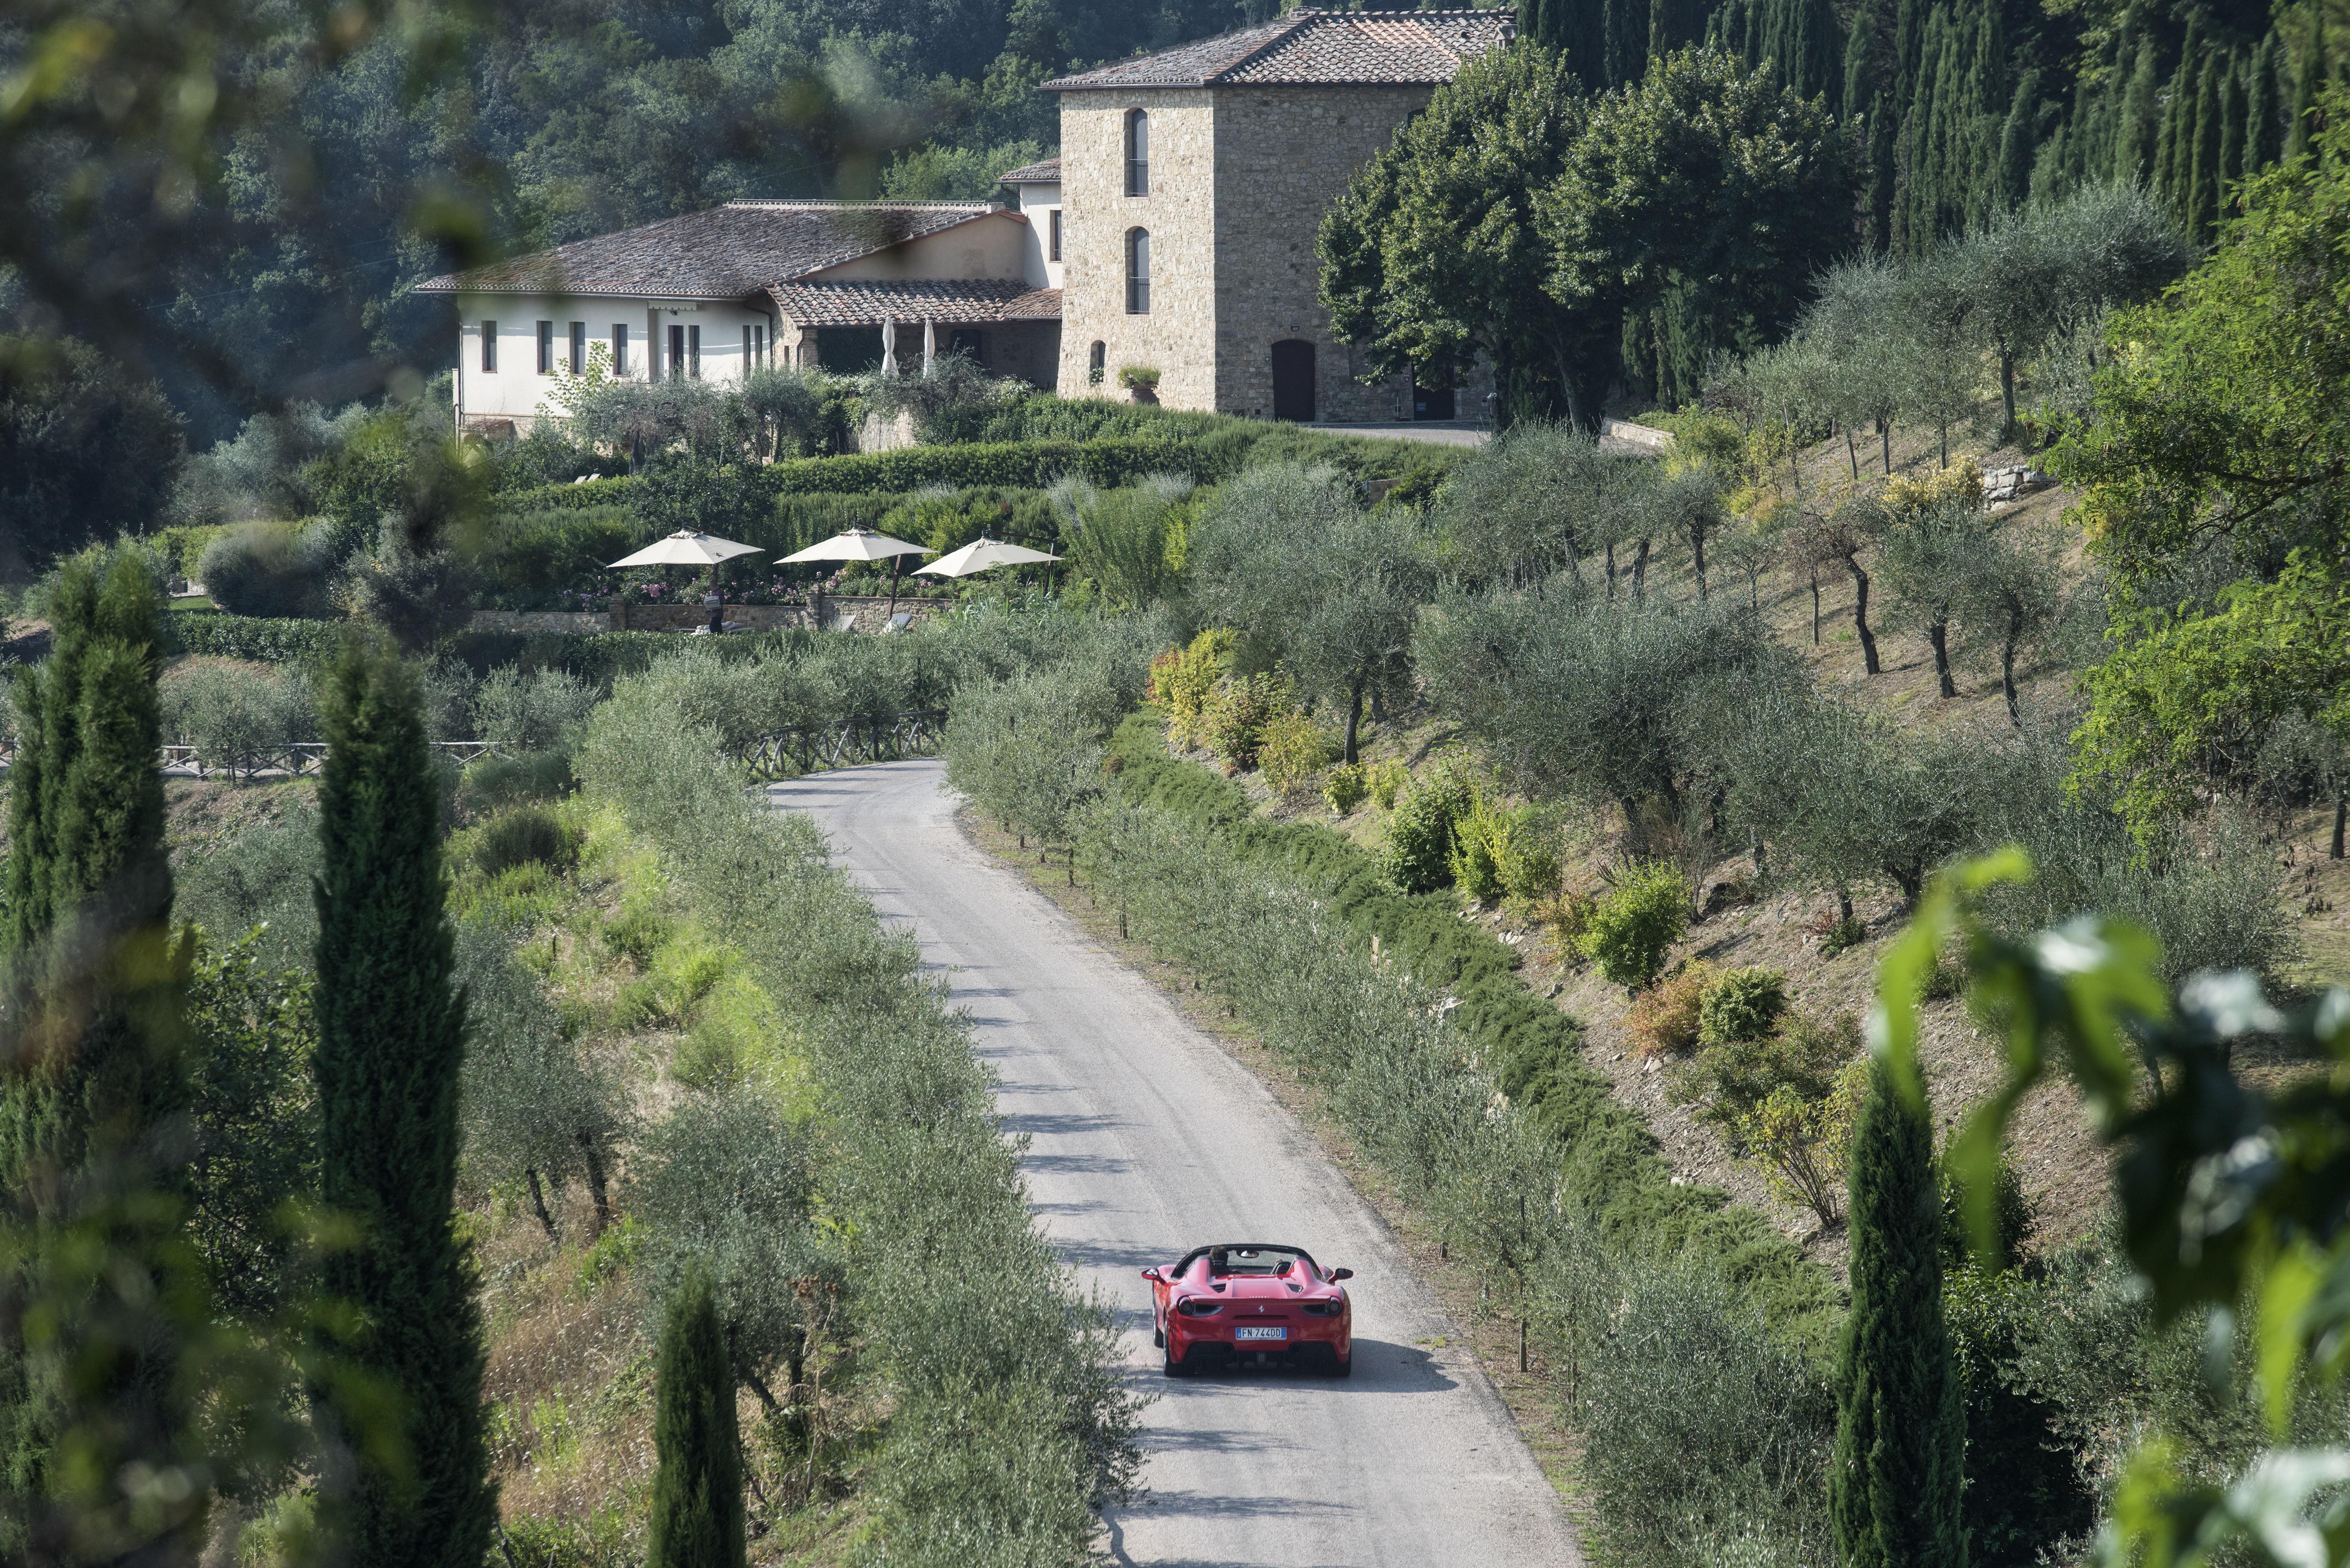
{"x":1009,"y":1418}
{"x":264,"y":639}
{"x":1608,"y":1169}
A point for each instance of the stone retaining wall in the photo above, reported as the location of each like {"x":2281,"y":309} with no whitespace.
{"x":871,"y":613}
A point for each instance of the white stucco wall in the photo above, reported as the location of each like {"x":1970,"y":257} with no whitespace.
{"x":991,"y":245}
{"x":1039,"y":204}
{"x":517,"y":390}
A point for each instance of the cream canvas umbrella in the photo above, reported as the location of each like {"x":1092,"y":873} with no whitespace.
{"x":687,"y":549}
{"x":889,"y":348}
{"x":860,"y":545}
{"x":929,"y":347}
{"x":978,"y":555}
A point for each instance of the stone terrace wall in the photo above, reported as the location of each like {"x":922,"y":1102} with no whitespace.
{"x":872,"y":614}
{"x":1283,"y":154}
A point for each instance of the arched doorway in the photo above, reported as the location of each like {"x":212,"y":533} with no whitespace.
{"x":1293,"y":379}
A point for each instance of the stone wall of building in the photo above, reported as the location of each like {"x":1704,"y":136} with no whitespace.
{"x":1283,"y":154}
{"x":1177,"y":338}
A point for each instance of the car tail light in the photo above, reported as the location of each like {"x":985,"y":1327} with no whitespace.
{"x":1320,"y":1309}
{"x":1193,"y":1306}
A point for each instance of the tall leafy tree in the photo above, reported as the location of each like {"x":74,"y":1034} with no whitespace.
{"x":390,"y":1050}
{"x":1431,"y":258}
{"x":697,"y":1507}
{"x":1898,"y":1473}
{"x":1717,"y":181}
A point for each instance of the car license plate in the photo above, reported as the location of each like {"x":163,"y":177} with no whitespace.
{"x":1252,"y":1333}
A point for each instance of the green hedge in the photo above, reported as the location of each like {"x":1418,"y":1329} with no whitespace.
{"x":1001,"y":464}
{"x":1608,"y":1162}
{"x":613,"y":492}
{"x":264,"y":639}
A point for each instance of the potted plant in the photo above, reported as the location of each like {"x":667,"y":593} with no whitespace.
{"x":1140,"y":381}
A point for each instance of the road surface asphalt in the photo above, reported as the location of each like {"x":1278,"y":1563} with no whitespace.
{"x":1146,"y":1140}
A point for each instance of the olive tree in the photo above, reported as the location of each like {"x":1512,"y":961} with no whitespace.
{"x":1598,"y":701}
{"x":537,"y":1115}
{"x":1314,"y":583}
{"x":724,"y":1184}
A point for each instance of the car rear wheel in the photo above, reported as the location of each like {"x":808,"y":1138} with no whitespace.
{"x":1342,"y":1365}
{"x":1157,"y":1337}
{"x":1172,"y":1364}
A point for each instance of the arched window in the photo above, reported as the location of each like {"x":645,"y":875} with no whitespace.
{"x":1137,"y":271}
{"x":1138,"y":153}
{"x":1097,"y":362}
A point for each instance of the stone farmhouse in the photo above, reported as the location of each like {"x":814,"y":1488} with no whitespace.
{"x":1175,"y":233}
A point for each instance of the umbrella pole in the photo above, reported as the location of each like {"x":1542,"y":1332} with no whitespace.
{"x":897,"y":562}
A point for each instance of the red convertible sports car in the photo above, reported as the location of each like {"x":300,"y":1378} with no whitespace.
{"x":1243,"y":1302}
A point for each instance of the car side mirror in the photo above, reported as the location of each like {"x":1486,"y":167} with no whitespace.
{"x":1154,"y":1276}
{"x":1338,"y":1274}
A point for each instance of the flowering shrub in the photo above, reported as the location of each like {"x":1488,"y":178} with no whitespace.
{"x":1236,"y":721}
{"x":1183,"y":681}
{"x":1292,"y":749}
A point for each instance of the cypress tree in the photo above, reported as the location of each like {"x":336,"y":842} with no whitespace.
{"x":2233,"y":112}
{"x":2017,"y":138}
{"x":1626,"y":23}
{"x":2263,"y":126}
{"x":1884,"y":137}
{"x":1975,"y":126}
{"x":1909,"y":20}
{"x":1577,"y":29}
{"x":697,"y":1515}
{"x":2308,"y":82}
{"x":1898,"y":1473}
{"x":2202,"y":204}
{"x":1869,"y":64}
{"x":2140,"y":129}
{"x":1802,"y":41}
{"x":93,"y":1090}
{"x":390,"y":1044}
{"x":1674,"y":24}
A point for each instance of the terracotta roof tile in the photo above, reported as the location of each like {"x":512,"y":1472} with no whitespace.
{"x":1316,"y":48}
{"x":723,"y":254}
{"x":950,"y":302}
{"x":1048,"y":173}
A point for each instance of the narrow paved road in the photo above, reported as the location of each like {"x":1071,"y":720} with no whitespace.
{"x":1146,"y":1140}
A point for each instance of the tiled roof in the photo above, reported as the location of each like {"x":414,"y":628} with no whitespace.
{"x":1048,"y":173}
{"x":950,"y":302}
{"x":1040,"y":305}
{"x":723,"y":254}
{"x":1316,"y":48}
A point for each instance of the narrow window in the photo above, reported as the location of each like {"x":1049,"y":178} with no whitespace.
{"x":693,"y":352}
{"x":546,"y":348}
{"x":676,"y":352}
{"x":1053,"y":229}
{"x":1137,"y":271}
{"x":619,"y":348}
{"x":489,"y":347}
{"x":1096,"y":360}
{"x":763,"y":344}
{"x":1138,"y":153}
{"x":578,"y":348}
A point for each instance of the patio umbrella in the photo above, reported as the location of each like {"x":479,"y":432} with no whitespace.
{"x":687,"y":548}
{"x":929,"y":347}
{"x":889,"y":348}
{"x":978,"y":555}
{"x":860,"y":545}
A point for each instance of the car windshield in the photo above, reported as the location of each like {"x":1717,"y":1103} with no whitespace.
{"x":1254,"y":1260}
